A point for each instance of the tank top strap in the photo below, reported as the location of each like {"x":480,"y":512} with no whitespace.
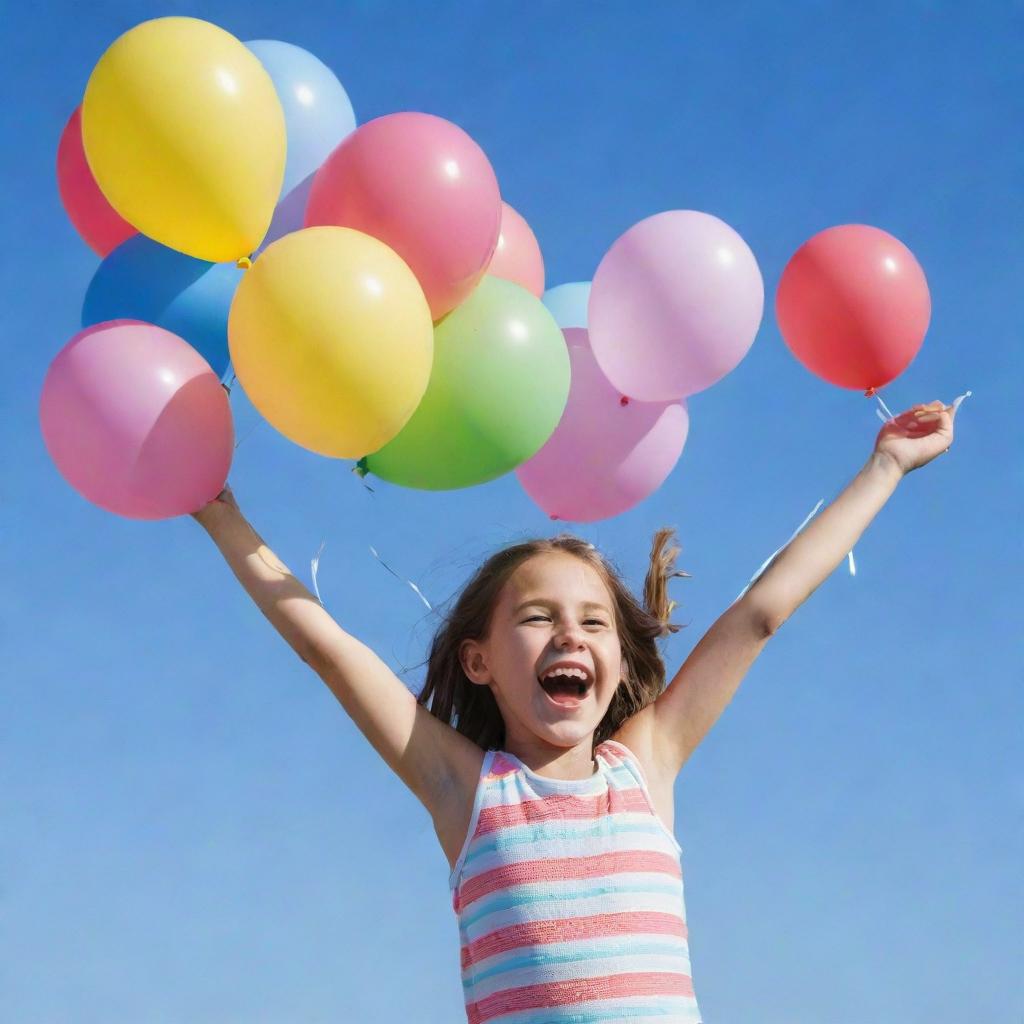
{"x":616,"y":754}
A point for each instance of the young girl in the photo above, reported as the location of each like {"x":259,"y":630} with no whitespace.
{"x":549,"y":748}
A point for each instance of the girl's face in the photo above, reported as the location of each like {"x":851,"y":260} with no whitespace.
{"x":554,"y":608}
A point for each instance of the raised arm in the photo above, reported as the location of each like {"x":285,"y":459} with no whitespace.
{"x":421,"y":749}
{"x":705,"y":684}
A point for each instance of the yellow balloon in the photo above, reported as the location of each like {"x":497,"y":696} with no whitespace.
{"x":185,"y":136}
{"x":330,"y":335}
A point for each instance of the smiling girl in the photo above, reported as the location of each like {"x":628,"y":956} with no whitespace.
{"x":545,"y":744}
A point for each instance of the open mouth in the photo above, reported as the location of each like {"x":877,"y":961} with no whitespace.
{"x":565,"y":689}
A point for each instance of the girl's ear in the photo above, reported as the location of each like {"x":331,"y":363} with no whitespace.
{"x":474,"y":662}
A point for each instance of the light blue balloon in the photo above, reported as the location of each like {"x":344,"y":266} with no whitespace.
{"x":143,"y":280}
{"x":567,"y":303}
{"x":289,"y":214}
{"x":317,"y":111}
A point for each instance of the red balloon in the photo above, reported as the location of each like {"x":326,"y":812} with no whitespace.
{"x":422,"y":186}
{"x":853,"y":306}
{"x":99,"y":224}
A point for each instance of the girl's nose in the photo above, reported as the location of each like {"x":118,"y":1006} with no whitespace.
{"x":569,"y":637}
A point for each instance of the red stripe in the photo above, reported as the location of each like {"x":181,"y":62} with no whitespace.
{"x":565,"y":993}
{"x":561,"y":806}
{"x":555,"y":869}
{"x":538,"y":933}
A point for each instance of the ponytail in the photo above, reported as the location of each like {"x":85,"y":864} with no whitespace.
{"x":661,"y":570}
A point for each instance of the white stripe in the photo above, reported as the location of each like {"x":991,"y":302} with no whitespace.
{"x":576,"y":970}
{"x":516,"y":787}
{"x":676,"y":1010}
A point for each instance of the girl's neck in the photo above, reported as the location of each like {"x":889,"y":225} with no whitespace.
{"x":562,"y":763}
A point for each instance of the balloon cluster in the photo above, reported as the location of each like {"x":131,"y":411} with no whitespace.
{"x":375,"y":297}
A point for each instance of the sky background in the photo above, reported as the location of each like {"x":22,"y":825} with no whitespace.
{"x":191,"y":829}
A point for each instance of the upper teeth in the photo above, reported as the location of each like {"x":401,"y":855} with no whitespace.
{"x":577,"y":672}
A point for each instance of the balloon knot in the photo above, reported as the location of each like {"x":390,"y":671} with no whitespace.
{"x":360,"y":468}
{"x":553,"y":517}
{"x":623,"y":400}
{"x":244,"y":263}
{"x":871,"y":392}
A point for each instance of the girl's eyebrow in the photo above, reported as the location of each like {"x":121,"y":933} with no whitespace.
{"x":544,"y":602}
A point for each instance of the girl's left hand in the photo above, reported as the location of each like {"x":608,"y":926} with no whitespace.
{"x":916,"y":436}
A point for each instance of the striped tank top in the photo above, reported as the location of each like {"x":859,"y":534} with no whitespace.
{"x":569,"y":899}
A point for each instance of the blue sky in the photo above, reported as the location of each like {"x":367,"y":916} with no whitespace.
{"x":190,"y":827}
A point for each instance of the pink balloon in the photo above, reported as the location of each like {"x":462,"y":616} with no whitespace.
{"x":608,"y":452}
{"x":675,"y":305}
{"x":422,"y":186}
{"x":518,"y":257}
{"x":137,"y":421}
{"x":102,"y":228}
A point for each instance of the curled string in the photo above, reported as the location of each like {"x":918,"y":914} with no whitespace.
{"x":771,"y":558}
{"x":890,"y":418}
{"x":314,"y":566}
{"x":849,"y":556}
{"x":373,"y":551}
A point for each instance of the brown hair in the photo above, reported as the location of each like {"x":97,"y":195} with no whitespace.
{"x":472,"y":710}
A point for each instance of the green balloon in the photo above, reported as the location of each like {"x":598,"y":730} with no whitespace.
{"x":498,"y":387}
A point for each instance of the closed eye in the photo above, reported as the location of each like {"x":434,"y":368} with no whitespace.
{"x":546,"y":618}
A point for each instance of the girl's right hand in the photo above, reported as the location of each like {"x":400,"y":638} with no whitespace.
{"x":226,"y":499}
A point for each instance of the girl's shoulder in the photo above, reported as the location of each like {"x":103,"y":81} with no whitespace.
{"x":636,"y":734}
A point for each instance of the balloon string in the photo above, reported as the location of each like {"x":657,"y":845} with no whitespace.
{"x":314,"y":566}
{"x":849,"y":557}
{"x":888,"y":411}
{"x":956,"y":406}
{"x":227,"y":387}
{"x":246,"y":437}
{"x":361,"y":474}
{"x":373,"y":551}
{"x":771,"y":558}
